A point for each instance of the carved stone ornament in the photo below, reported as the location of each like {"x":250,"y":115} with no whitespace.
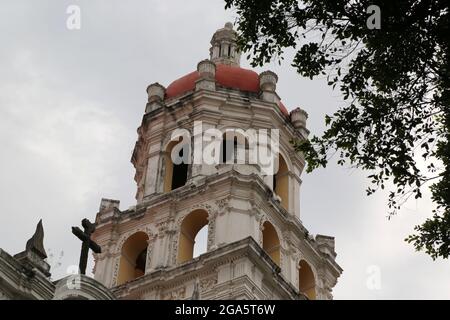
{"x":176,"y":294}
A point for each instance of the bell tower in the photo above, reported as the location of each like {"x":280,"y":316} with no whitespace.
{"x":214,"y":152}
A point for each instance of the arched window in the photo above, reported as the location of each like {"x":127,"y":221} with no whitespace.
{"x":176,"y":173}
{"x":307,"y":283}
{"x":190,"y":227}
{"x":133,"y":257}
{"x":281,"y":182}
{"x":271,"y":242}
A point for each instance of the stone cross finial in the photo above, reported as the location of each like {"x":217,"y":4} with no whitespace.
{"x":87,"y":242}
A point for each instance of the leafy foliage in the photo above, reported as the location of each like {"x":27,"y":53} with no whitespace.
{"x":395,"y":81}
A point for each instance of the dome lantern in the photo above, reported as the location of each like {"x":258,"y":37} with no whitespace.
{"x":224,"y":49}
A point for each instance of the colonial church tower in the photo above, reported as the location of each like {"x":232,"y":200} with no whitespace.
{"x":257,"y":246}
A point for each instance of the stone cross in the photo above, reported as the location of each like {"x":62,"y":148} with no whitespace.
{"x":87,"y":243}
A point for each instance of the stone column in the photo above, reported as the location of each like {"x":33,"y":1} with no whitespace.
{"x":296,"y":195}
{"x":148,"y":259}
{"x":158,"y":252}
{"x":153,"y":170}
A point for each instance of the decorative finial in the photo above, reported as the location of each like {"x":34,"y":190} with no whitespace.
{"x":229,"y":25}
{"x":156,"y":92}
{"x":268,"y":81}
{"x":298,"y":120}
{"x":36,"y":242}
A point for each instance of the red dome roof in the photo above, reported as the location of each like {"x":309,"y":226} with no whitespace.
{"x":226,"y":76}
{"x":283,"y":109}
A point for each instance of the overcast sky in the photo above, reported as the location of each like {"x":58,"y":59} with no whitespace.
{"x":70,"y":103}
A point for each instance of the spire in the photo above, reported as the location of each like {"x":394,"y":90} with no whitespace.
{"x":33,"y":258}
{"x":36,"y":242}
{"x":224,"y":48}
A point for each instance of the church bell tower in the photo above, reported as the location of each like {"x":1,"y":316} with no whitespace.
{"x":256,"y":244}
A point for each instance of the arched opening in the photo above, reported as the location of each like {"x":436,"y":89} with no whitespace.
{"x":228,"y":150}
{"x":75,"y":297}
{"x":176,"y":172}
{"x":190,"y":227}
{"x":234,"y":146}
{"x":281,"y":182}
{"x":133,"y":258}
{"x":200,"y":242}
{"x":306,"y":281}
{"x":271,"y":242}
